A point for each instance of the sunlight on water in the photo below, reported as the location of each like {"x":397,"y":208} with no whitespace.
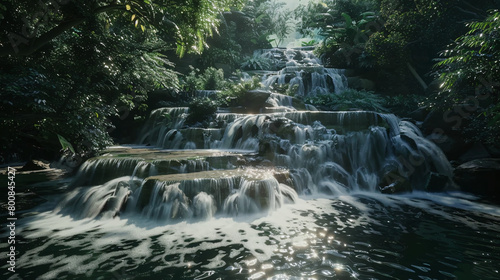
{"x":359,"y":236}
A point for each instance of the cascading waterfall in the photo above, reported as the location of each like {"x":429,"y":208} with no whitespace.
{"x":303,"y":74}
{"x":161,"y":121}
{"x":311,"y":152}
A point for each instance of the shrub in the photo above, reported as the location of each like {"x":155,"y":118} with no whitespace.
{"x":349,"y":99}
{"x":211,"y":79}
{"x":236,"y":90}
{"x":201,"y":110}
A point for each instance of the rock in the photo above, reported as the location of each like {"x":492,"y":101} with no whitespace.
{"x":282,"y":176}
{"x":35,"y":165}
{"x":298,"y":104}
{"x":437,"y":183}
{"x":254,"y":100}
{"x":477,"y":151}
{"x":26,"y":200}
{"x":452,"y":145}
{"x":419,"y":114}
{"x":494,"y":150}
{"x":394,"y":183}
{"x":361,"y":84}
{"x":266,"y":163}
{"x":480,"y":176}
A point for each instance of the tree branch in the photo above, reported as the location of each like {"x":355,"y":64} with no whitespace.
{"x":21,"y":46}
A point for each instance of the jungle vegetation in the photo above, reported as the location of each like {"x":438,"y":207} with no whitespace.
{"x":71,"y":72}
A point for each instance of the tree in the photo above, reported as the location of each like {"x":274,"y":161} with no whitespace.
{"x":183,"y":23}
{"x":343,"y":26}
{"x":277,"y":19}
{"x":78,"y":65}
{"x":470,"y":75}
{"x":412,"y":34}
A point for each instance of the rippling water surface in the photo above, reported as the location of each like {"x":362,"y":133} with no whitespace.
{"x":359,"y":236}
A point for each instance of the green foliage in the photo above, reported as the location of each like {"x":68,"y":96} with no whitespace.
{"x":210,"y":79}
{"x":277,"y":19}
{"x":76,"y":84}
{"x":320,"y":14}
{"x":349,"y":99}
{"x":183,"y":24}
{"x":409,"y":36}
{"x":65,"y":144}
{"x":201,"y":110}
{"x":388,"y":51}
{"x":309,"y":43}
{"x":403,"y":105}
{"x":470,"y":73}
{"x":342,"y":26}
{"x":256,"y":62}
{"x":236,"y":90}
{"x":474,"y":57}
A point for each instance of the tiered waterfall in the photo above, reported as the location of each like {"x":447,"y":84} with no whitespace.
{"x":248,"y":163}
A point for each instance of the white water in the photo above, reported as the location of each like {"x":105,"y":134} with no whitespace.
{"x":311,"y":153}
{"x":348,"y":233}
{"x":303,"y":74}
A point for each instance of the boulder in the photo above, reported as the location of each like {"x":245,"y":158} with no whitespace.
{"x":419,"y":114}
{"x":477,"y":151}
{"x":438,"y":183}
{"x":361,"y":84}
{"x":394,"y":182}
{"x":480,"y":176}
{"x":34,"y":164}
{"x":452,"y":145}
{"x":254,"y":100}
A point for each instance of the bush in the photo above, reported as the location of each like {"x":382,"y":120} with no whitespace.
{"x":402,"y":105}
{"x":201,"y":110}
{"x":256,"y":62}
{"x":211,"y":79}
{"x":236,"y":90}
{"x":349,"y":99}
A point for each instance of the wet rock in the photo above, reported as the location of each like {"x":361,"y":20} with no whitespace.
{"x":254,"y":100}
{"x":34,"y":164}
{"x":298,"y":104}
{"x":25,"y":200}
{"x":282,"y":177}
{"x":393,"y":182}
{"x":409,"y":141}
{"x":479,"y":176}
{"x":241,"y":161}
{"x":266,"y":163}
{"x":438,"y":183}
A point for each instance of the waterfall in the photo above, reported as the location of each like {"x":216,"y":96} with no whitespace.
{"x":255,"y":163}
{"x":303,"y":74}
{"x":161,"y":121}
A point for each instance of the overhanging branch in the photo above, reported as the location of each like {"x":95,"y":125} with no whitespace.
{"x":19,"y":45}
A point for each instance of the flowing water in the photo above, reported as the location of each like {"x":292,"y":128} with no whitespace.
{"x":284,"y":194}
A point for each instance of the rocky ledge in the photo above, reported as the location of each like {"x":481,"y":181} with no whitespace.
{"x":480,"y":176}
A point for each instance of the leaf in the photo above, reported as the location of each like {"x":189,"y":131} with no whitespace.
{"x":65,"y":144}
{"x":133,"y":17}
{"x":143,"y":28}
{"x":128,"y":7}
{"x":348,"y":20}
